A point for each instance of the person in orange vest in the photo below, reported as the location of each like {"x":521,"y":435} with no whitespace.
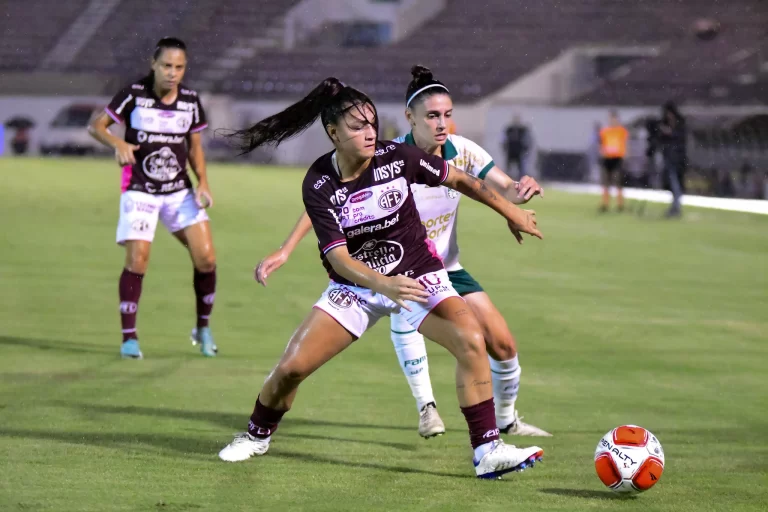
{"x":613,"y":149}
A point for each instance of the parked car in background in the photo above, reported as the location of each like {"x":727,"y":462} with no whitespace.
{"x":68,"y":132}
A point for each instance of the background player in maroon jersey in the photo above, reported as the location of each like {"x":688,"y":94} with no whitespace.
{"x":371,"y":240}
{"x":163,"y":123}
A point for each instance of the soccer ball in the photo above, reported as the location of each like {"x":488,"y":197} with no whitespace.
{"x":629,"y":459}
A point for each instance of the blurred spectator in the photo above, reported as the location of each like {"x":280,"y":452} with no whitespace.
{"x":517,"y":145}
{"x":593,"y":153}
{"x":724,"y":186}
{"x":613,"y":150}
{"x":673,"y":142}
{"x":388,"y":128}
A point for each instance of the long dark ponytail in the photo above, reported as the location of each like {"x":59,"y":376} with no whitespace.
{"x":329,"y":101}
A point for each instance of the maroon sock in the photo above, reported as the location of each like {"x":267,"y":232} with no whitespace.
{"x":481,"y":419}
{"x":264,"y":420}
{"x":129,"y":291}
{"x":205,"y":290}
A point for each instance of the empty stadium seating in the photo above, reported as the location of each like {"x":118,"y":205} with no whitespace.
{"x":476,"y":47}
{"x":29,"y":29}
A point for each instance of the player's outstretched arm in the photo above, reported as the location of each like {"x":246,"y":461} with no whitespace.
{"x":278,"y":258}
{"x":519,"y":220}
{"x":516,"y":192}
{"x":398,"y":288}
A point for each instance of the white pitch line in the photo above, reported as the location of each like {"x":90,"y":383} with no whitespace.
{"x":663,"y":196}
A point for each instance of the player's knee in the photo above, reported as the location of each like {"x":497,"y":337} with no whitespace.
{"x":472,"y":345}
{"x":291,"y":373}
{"x":137,"y":261}
{"x":206,"y":263}
{"x":501,"y":346}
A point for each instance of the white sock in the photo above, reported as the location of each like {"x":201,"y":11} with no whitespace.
{"x":481,"y":450}
{"x":505,"y":376}
{"x":412,"y":354}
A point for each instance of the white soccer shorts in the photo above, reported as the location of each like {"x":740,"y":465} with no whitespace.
{"x":357,"y":309}
{"x":140,"y":211}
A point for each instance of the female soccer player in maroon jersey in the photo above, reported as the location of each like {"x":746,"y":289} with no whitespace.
{"x":163,"y":123}
{"x":375,"y":249}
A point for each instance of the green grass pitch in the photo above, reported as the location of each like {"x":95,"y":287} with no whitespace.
{"x":619,"y":319}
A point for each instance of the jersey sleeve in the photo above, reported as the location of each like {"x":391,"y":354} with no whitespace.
{"x":119,"y":109}
{"x":322,"y":213}
{"x":199,"y":119}
{"x":423,"y":168}
{"x":478,"y":161}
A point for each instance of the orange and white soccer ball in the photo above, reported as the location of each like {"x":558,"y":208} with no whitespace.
{"x":629,"y":459}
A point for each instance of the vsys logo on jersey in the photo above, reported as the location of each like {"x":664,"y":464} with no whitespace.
{"x":128,"y":205}
{"x":339,"y":197}
{"x":360,"y":196}
{"x":388,"y":171}
{"x":145,"y":102}
{"x":161,"y":165}
{"x":383,"y":256}
{"x":185,"y":105}
{"x":390,"y":199}
{"x":428,"y":167}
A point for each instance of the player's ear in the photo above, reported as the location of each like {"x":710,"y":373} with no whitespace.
{"x":409,"y":117}
{"x":332,"y":132}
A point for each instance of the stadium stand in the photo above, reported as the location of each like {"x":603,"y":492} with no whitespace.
{"x":514,"y":37}
{"x":26,"y":37}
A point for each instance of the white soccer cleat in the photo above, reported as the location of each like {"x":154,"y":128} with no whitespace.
{"x":519,"y":428}
{"x":504,"y":458}
{"x":430,"y":424}
{"x":243,"y":447}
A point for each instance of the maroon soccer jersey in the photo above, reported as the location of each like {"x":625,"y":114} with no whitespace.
{"x":375,"y":215}
{"x":161,"y":131}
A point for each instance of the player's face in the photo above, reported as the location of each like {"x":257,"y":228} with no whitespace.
{"x":430,"y":119}
{"x":169,"y":68}
{"x":355,"y":132}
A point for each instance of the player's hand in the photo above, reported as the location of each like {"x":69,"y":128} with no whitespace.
{"x":124,"y":153}
{"x":268,"y":265}
{"x":526,"y":223}
{"x":401,"y":289}
{"x":526,"y":188}
{"x":203,"y":193}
